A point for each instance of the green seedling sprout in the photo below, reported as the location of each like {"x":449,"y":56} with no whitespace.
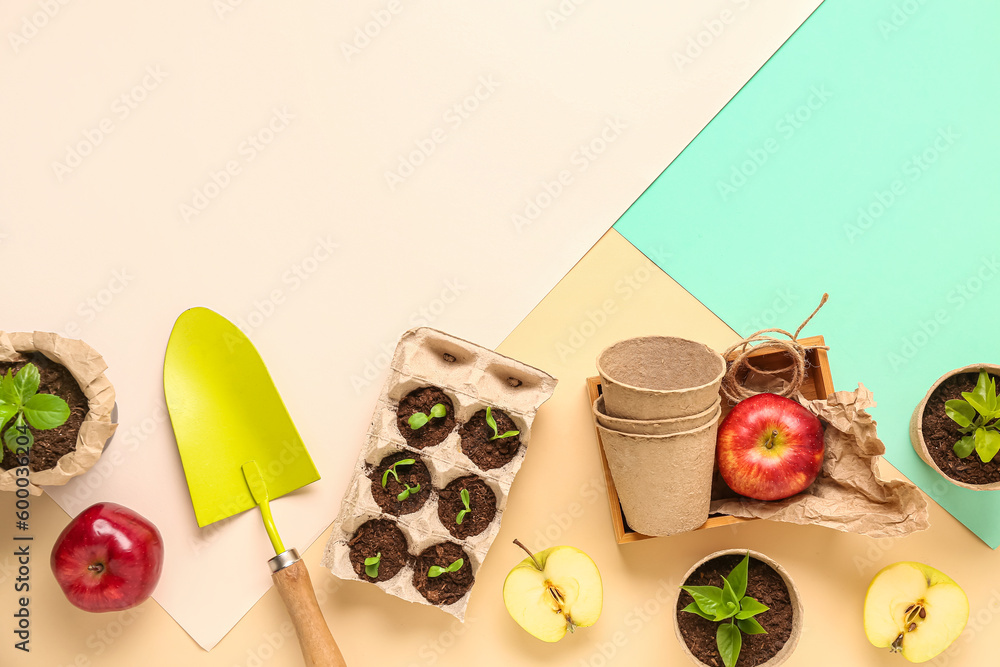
{"x":493,"y":425}
{"x":973,"y":416}
{"x":371,"y":565}
{"x":436,"y":571}
{"x":392,"y":470}
{"x":462,"y":513}
{"x":409,"y":490}
{"x":20,"y":401}
{"x":418,"y":419}
{"x":729,"y":603}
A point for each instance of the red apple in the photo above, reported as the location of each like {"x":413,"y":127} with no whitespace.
{"x":769,"y":447}
{"x":108,"y":558}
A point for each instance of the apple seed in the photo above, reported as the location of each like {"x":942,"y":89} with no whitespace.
{"x":923,"y":613}
{"x":913,"y":626}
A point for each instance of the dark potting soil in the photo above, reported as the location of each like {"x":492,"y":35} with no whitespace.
{"x":412,"y":474}
{"x":764,"y":585}
{"x":476,"y":444}
{"x":434,"y":431}
{"x":482,"y":500}
{"x":450,"y":586}
{"x":378,"y":536}
{"x":53,"y":444}
{"x":941,"y":433}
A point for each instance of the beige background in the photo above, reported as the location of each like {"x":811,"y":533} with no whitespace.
{"x":558,"y":498}
{"x":233,"y":154}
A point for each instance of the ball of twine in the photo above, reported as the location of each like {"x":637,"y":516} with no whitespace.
{"x":739,"y":366}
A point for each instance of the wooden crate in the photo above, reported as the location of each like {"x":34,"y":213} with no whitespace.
{"x":818,"y":384}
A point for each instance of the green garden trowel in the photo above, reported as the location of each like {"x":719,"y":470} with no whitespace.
{"x":240,"y":450}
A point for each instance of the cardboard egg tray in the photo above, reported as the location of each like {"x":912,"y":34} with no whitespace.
{"x":473,"y":378}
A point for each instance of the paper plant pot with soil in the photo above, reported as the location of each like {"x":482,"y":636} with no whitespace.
{"x":664,"y":482}
{"x":652,"y":426}
{"x":659,"y":377}
{"x":955,"y":429}
{"x":733,"y":605}
{"x":72,"y":371}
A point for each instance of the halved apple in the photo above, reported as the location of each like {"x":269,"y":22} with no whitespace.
{"x":914,"y":610}
{"x":553,"y":591}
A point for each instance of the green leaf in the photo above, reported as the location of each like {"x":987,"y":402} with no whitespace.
{"x":708,"y":598}
{"x":730,"y":603}
{"x":438,"y":410}
{"x":371,"y":565}
{"x":417,"y":420}
{"x":45,"y":411}
{"x":965,"y":446}
{"x":750,"y":626}
{"x":6,"y":412}
{"x":750,"y":607}
{"x":437,"y":571}
{"x":977,"y":397}
{"x":11,"y":436}
{"x":492,"y":422}
{"x":505,"y":435}
{"x":407,"y":492}
{"x":991,"y":397}
{"x":989,"y":446}
{"x":26,"y":382}
{"x":960,"y":412}
{"x":729,"y":640}
{"x":7,"y":392}
{"x":738,"y":577}
{"x":693,"y":609}
{"x":461,"y":516}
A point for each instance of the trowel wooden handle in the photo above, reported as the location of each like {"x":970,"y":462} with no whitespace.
{"x":295,"y":587}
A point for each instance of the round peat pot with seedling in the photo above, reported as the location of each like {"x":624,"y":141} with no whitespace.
{"x":55,"y":409}
{"x":442,"y":573}
{"x":378,"y":550}
{"x":737,"y":603}
{"x":467,"y":506}
{"x":425,"y":417}
{"x":956,"y":427}
{"x":490,"y":438}
{"x":400,"y":483}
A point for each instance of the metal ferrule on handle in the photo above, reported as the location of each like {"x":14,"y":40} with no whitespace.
{"x":283,"y":560}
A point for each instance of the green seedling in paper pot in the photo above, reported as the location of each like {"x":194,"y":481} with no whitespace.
{"x":436,"y":571}
{"x":371,"y":565}
{"x":465,"y":501}
{"x":21,"y":402}
{"x":392,"y":470}
{"x":418,"y":419}
{"x":731,"y":608}
{"x":493,"y":425}
{"x":978,"y":418}
{"x":407,"y":490}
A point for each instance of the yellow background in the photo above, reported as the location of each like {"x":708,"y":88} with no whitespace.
{"x":558,"y":498}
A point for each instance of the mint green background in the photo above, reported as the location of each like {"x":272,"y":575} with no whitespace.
{"x":764,"y":254}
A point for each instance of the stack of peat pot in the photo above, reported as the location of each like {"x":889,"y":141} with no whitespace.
{"x":658,"y":416}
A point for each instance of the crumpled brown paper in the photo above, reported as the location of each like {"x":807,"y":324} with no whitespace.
{"x":88,"y":367}
{"x":848,"y":495}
